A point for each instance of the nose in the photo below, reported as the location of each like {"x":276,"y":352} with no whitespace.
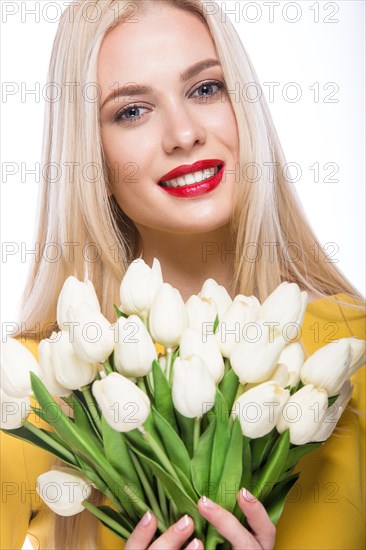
{"x":182,"y":129}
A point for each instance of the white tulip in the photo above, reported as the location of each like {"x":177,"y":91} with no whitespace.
{"x":92,"y":334}
{"x":331,"y":365}
{"x":260,"y":408}
{"x":14,"y":411}
{"x":47,"y":374}
{"x":251,"y":302}
{"x":201,"y":313}
{"x":292,"y":358}
{"x":75,"y":292}
{"x":232,"y":330}
{"x":255,"y":359}
{"x":135,"y":350}
{"x":139,"y":286}
{"x":285,"y":305}
{"x":16,"y":364}
{"x":304,"y":413}
{"x":123,"y":405}
{"x":68,"y":369}
{"x":168,"y":316}
{"x":206,"y":347}
{"x":334,"y":412}
{"x":210,"y":289}
{"x":63,"y":490}
{"x":193,"y":388}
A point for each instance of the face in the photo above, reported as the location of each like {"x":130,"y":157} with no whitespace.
{"x":176,"y":121}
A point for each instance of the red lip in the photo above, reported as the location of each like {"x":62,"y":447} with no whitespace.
{"x":189,"y":168}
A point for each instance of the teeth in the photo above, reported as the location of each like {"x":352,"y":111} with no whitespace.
{"x":190,"y":179}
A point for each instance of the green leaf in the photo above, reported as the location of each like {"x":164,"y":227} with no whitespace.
{"x":83,"y":420}
{"x":163,"y":395}
{"x":228,"y":387}
{"x":261,"y":447}
{"x":119,"y":313}
{"x":25,"y":435}
{"x":216,"y":323}
{"x":176,"y":493}
{"x":273,"y":467}
{"x":275,"y":501}
{"x":220,"y":443}
{"x":201,"y":461}
{"x":116,"y":452}
{"x":246,"y":477}
{"x":108,"y":517}
{"x":296,"y":453}
{"x":232,"y":470}
{"x":173,"y":444}
{"x":332,"y":399}
{"x":186,"y":431}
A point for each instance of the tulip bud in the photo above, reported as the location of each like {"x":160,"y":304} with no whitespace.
{"x":201,"y":314}
{"x":304,"y":413}
{"x":334,"y":412}
{"x":328,"y":367}
{"x":68,"y":369}
{"x":260,"y":408}
{"x":14,"y":411}
{"x":75,"y":292}
{"x":210,"y":289}
{"x":193,"y":388}
{"x":123,"y":405}
{"x":93,"y":338}
{"x":168,"y":317}
{"x":285,"y":305}
{"x":63,"y":490}
{"x":231,"y":329}
{"x":16,"y":364}
{"x":135,"y":351}
{"x":47,"y":374}
{"x":206,"y":347}
{"x":358,"y":348}
{"x":254,"y":361}
{"x":292,"y":358}
{"x":139,"y":286}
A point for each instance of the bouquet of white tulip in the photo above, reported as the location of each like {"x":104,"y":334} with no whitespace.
{"x":231,"y":403}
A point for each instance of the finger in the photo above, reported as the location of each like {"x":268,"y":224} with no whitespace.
{"x":227,"y":525}
{"x":195,"y":544}
{"x":258,"y":519}
{"x":175,"y":536}
{"x":143,"y":532}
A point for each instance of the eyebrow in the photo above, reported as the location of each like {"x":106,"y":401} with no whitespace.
{"x":139,"y":89}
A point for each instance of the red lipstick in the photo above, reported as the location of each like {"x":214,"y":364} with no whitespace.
{"x":195,"y":189}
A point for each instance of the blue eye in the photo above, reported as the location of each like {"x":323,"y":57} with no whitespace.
{"x":119,"y":116}
{"x":209,"y":85}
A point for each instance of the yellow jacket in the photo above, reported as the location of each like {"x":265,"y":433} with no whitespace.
{"x":325,"y":509}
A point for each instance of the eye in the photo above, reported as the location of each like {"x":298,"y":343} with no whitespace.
{"x":129,"y":114}
{"x":210,"y":89}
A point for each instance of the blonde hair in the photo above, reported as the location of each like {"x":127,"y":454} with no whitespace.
{"x":78,"y":209}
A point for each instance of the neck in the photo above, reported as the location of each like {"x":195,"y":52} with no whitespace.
{"x":188,"y":260}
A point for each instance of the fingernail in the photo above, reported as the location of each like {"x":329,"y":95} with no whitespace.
{"x":182,"y":523}
{"x":193,"y":545}
{"x":247,"y":495}
{"x":146,"y":518}
{"x":208,"y":503}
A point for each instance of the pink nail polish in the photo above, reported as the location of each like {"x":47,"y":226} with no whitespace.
{"x":208,"y":503}
{"x":193,"y":545}
{"x":182,"y":523}
{"x":247,"y":495}
{"x":146,"y":519}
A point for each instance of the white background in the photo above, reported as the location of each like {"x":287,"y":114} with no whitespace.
{"x":307,"y":52}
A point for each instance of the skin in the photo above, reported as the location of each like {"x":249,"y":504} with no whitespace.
{"x":180,"y":123}
{"x":176,"y":127}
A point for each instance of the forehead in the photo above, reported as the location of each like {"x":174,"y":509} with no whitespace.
{"x":161,"y":40}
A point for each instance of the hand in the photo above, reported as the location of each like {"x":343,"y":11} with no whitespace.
{"x":264,"y":531}
{"x":172,"y":539}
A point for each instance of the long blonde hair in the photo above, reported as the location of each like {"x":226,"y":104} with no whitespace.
{"x":77,"y":209}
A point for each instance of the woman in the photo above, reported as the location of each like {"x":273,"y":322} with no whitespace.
{"x":118,"y":199}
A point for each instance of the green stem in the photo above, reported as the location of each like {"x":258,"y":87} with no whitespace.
{"x":163,"y":501}
{"x":141,"y":384}
{"x":97,"y":512}
{"x":169,"y":365}
{"x":92,"y":408}
{"x":227,"y":364}
{"x":107,"y":368}
{"x":239,"y":392}
{"x":150,"y":493}
{"x":50,"y":441}
{"x":196,"y":432}
{"x":160,"y":454}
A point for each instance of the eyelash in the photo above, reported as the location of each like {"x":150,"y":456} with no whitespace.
{"x":118,"y":116}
